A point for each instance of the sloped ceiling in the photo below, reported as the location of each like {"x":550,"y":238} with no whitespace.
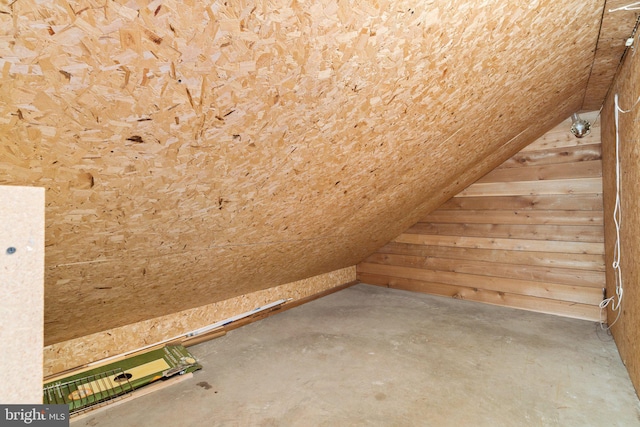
{"x":619,"y":22}
{"x":197,"y":150}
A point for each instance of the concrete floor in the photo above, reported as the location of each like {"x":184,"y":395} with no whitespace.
{"x":371,"y":356}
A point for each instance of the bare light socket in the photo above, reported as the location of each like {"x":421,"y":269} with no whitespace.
{"x":579,"y":127}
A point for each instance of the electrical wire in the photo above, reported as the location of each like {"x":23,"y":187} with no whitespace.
{"x":629,"y":7}
{"x":616,"y":300}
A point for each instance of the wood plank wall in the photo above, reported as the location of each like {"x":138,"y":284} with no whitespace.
{"x":527,"y":235}
{"x":626,"y":331}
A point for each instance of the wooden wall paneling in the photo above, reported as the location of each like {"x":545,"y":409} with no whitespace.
{"x":198,"y":151}
{"x":550,"y":156}
{"x":505,"y":244}
{"x":564,"y":276}
{"x":571,"y":202}
{"x":558,"y":137}
{"x":527,"y":235}
{"x":533,"y":217}
{"x":626,"y":331}
{"x":584,"y":169}
{"x":570,"y":233}
{"x":538,"y":288}
{"x":564,"y":260}
{"x":557,"y":186}
{"x":526,"y":302}
{"x":22,"y":286}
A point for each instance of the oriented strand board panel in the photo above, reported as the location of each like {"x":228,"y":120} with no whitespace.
{"x":528,"y":235}
{"x":626,"y":331}
{"x":70,"y":354}
{"x":22,"y":289}
{"x":195,"y":151}
{"x":618,"y":24}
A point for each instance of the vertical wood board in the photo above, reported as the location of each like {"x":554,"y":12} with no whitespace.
{"x":626,"y":331}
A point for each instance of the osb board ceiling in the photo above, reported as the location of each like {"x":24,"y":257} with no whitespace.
{"x":618,"y":24}
{"x":194,"y":151}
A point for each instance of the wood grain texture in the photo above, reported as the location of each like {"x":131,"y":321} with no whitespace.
{"x":90,"y":348}
{"x":493,"y":216}
{"x":550,"y":156}
{"x":617,"y":26}
{"x":558,"y":137}
{"x":556,"y":259}
{"x":569,"y":233}
{"x":572,"y":202}
{"x":584,"y":169}
{"x":22,"y":287}
{"x":550,"y":275}
{"x":626,"y":331}
{"x":512,"y":243}
{"x":532,"y":244}
{"x":525,"y":302}
{"x":553,"y":275}
{"x":534,"y":188}
{"x":193,"y":152}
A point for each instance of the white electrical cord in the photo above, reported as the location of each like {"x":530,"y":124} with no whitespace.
{"x":616,"y":300}
{"x":632,"y":6}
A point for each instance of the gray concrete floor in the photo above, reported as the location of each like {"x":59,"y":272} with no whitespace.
{"x":371,"y":356}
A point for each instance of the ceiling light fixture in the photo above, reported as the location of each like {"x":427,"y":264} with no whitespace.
{"x":579,"y":127}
